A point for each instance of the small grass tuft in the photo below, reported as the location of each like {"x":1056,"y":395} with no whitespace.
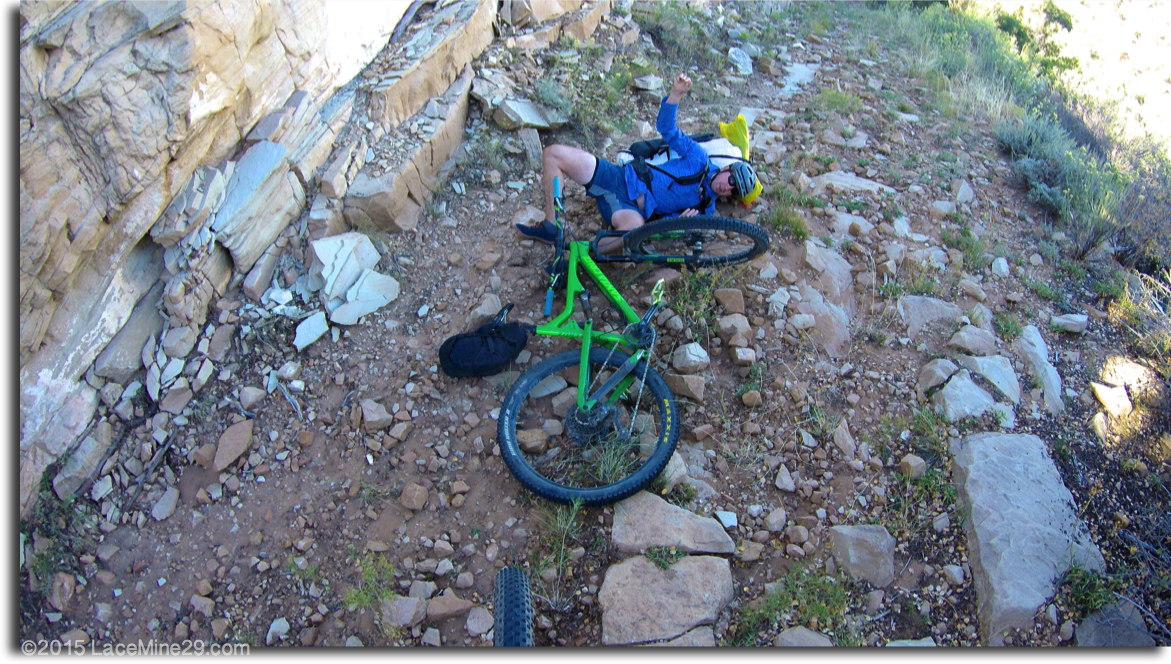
{"x":754,"y":380}
{"x":801,"y":597}
{"x":561,"y":527}
{"x":975,"y":249}
{"x":1113,"y":287}
{"x":1073,"y":269}
{"x":613,"y":460}
{"x":663,"y":557}
{"x":693,"y":296}
{"x":1006,"y":324}
{"x":1049,"y":251}
{"x":1043,"y":289}
{"x":890,"y":289}
{"x":929,"y":429}
{"x":787,"y":222}
{"x":682,"y":495}
{"x":784,"y":196}
{"x":821,"y":423}
{"x":375,"y":584}
{"x":1085,"y":591}
{"x":918,"y":280}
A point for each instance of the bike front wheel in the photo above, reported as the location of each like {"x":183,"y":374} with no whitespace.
{"x":598,"y":456}
{"x":699,"y":241}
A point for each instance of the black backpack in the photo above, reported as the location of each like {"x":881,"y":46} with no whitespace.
{"x":486,"y":351}
{"x":644,"y":151}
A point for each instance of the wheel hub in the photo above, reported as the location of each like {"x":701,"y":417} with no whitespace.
{"x":588,"y":427}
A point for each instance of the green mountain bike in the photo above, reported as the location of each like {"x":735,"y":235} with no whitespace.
{"x":597,"y":425}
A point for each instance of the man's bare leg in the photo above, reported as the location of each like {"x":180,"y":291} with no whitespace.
{"x":561,"y":161}
{"x":622,"y":220}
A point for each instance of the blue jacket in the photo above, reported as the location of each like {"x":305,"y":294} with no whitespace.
{"x":666,"y":196}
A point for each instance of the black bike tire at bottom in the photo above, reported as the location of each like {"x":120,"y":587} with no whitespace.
{"x":635,"y":240}
{"x":666,"y":419}
{"x":512,"y":613}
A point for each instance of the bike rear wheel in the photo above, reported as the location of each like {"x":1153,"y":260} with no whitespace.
{"x":512,"y":612}
{"x":599,"y":456}
{"x":699,"y":241}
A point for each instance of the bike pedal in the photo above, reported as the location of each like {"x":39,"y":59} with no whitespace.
{"x":548,"y":302}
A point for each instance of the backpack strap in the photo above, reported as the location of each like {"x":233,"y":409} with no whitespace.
{"x":502,"y":315}
{"x":686,"y":180}
{"x":643,"y":151}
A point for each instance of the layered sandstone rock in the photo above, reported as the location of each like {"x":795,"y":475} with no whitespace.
{"x":130,"y":114}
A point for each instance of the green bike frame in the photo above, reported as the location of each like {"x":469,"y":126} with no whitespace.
{"x":563,"y":325}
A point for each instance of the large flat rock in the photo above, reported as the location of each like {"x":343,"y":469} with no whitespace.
{"x":1022,"y":529}
{"x":918,"y":311}
{"x":961,"y":398}
{"x":1119,"y":625}
{"x":645,"y":520}
{"x":835,"y":281}
{"x":865,"y":552}
{"x":262,"y":198}
{"x":842,"y":181}
{"x":642,"y":603}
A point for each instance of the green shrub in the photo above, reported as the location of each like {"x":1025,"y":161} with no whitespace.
{"x":839,"y":102}
{"x":684,"y":35}
{"x":1043,"y":289}
{"x":551,"y":94}
{"x":1038,"y":46}
{"x":787,"y":222}
{"x":601,"y":109}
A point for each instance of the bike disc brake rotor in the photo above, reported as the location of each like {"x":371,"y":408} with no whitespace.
{"x":589,"y":427}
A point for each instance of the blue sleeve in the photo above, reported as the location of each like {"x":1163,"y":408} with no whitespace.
{"x":678,"y":141}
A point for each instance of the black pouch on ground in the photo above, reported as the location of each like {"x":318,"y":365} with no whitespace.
{"x":486,"y":351}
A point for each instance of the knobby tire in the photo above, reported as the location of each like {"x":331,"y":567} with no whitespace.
{"x":656,"y":399}
{"x":512,"y":614}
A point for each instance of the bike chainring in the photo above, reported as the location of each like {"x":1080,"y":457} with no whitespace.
{"x":641,"y":336}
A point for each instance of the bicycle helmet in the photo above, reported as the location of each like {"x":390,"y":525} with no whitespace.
{"x":743,"y":178}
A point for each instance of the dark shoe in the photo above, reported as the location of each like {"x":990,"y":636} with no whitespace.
{"x":545,"y":232}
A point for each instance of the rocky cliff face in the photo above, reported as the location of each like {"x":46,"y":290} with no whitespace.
{"x":205,"y":121}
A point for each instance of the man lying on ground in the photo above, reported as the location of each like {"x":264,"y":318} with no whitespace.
{"x":626,"y":201}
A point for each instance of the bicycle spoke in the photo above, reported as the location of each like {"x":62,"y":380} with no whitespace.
{"x":698,"y":240}
{"x":712,"y":244}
